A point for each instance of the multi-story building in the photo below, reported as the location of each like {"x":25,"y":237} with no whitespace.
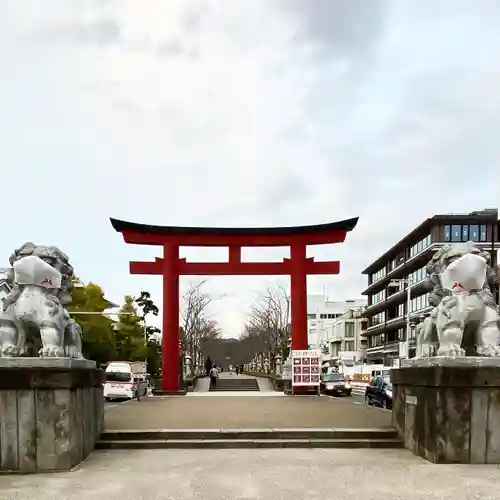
{"x":347,"y":343}
{"x":389,"y":274}
{"x":321,"y":315}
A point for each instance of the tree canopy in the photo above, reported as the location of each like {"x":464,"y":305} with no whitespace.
{"x":130,"y":333}
{"x":97,"y":329}
{"x":119,"y":339}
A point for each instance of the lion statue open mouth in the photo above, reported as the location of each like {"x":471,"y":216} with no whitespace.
{"x":461,"y":278}
{"x":35,"y":309}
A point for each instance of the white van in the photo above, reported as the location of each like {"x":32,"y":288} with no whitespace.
{"x":382,"y":372}
{"x":124,"y":378}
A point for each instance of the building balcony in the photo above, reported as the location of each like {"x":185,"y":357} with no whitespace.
{"x":374,"y":350}
{"x":399,"y":296}
{"x":389,"y":347}
{"x":393,"y":323}
{"x":398,"y":272}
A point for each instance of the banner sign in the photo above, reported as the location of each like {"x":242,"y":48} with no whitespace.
{"x":306,"y":368}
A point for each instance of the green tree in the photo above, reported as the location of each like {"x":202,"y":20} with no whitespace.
{"x":147,"y":306}
{"x":129,"y":333}
{"x":154,"y":358}
{"x":97,"y":329}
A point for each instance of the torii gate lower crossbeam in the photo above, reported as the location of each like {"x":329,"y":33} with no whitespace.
{"x":171,"y":267}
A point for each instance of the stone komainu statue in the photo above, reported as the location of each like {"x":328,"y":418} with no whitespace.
{"x":465,"y":318}
{"x":34,"y":312}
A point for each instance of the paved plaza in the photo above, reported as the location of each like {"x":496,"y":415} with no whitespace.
{"x":248,"y":410}
{"x":243,"y":412}
{"x":258,"y":474}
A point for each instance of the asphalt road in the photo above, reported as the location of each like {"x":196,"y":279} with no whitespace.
{"x":357,"y":398}
{"x":110,"y":404}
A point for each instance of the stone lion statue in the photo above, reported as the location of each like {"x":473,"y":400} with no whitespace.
{"x":35,"y":309}
{"x":465,"y":316}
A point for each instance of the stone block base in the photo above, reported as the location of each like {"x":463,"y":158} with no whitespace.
{"x":447,"y":410}
{"x":51,"y":413}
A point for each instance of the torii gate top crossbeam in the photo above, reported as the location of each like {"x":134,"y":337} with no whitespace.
{"x":143,"y":234}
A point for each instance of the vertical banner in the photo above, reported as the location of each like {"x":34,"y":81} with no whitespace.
{"x":306,"y":368}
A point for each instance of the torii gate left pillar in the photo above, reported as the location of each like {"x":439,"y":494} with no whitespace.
{"x":171,"y":267}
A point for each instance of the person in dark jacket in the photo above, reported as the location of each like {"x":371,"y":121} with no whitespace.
{"x":214,"y":375}
{"x":208,"y":366}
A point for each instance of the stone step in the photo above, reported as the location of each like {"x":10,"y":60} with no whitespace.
{"x":238,"y":389}
{"x":250,"y":383}
{"x":236,"y":385}
{"x":245,"y":434}
{"x":247,"y":443}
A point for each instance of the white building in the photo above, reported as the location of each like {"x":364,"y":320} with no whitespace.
{"x":321,"y":315}
{"x":346,"y":343}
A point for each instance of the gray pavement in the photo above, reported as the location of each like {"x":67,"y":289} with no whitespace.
{"x":262,"y":411}
{"x":258,"y":474}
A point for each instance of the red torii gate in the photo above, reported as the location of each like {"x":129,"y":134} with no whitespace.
{"x":170,"y":266}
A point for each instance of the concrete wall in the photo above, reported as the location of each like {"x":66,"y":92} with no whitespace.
{"x":50,"y":417}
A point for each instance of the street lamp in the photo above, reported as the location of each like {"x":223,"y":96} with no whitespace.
{"x":408,"y":283}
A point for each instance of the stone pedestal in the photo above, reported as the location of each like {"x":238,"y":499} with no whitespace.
{"x":447,"y":410}
{"x":51,"y":413}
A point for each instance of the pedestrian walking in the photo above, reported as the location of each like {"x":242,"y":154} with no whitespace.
{"x":214,"y":375}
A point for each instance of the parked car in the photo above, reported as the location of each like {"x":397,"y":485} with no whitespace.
{"x":124,"y":379}
{"x":335,"y":384}
{"x":379,"y":392}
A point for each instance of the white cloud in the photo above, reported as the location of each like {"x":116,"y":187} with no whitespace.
{"x":230,"y":113}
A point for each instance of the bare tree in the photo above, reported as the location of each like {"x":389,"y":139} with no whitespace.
{"x":196,"y":325}
{"x":267,"y":328}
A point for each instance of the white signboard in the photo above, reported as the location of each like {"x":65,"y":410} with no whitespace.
{"x":306,"y":368}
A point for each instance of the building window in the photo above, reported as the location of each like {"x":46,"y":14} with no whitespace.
{"x":413,"y":332}
{"x":375,"y":341}
{"x":378,"y":275}
{"x":378,"y":297}
{"x":420,"y":245}
{"x":483,"y":232}
{"x":402,"y":334}
{"x":401,"y":310}
{"x":349,"y":330}
{"x":456,"y":232}
{"x":349,"y":345}
{"x":465,"y":232}
{"x":311,"y":316}
{"x":378,"y":319}
{"x":474,"y":232}
{"x":419,"y":303}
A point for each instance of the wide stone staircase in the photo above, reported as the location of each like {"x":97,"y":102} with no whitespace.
{"x":248,"y":438}
{"x":236,"y":384}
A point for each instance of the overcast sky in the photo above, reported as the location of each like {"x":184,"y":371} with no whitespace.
{"x":243,"y":113}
